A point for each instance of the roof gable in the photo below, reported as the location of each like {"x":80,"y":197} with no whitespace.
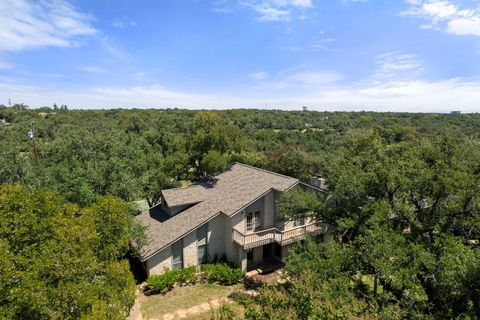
{"x":183,"y":196}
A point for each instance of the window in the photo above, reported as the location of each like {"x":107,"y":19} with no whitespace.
{"x":253,"y":221}
{"x":177,"y":255}
{"x":202,"y":244}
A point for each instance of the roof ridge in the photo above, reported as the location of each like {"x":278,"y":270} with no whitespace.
{"x":180,"y":188}
{"x":265,"y":170}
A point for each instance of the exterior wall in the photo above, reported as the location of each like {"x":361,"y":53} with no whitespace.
{"x":258,"y":205}
{"x":286,"y":249}
{"x":162,"y":260}
{"x":217,"y":233}
{"x":242,"y":258}
{"x":287,"y":225}
{"x":269,"y":210}
{"x":159,"y":262}
{"x":279,"y":224}
{"x":173,"y":210}
{"x":190,"y":249}
{"x":236,"y":222}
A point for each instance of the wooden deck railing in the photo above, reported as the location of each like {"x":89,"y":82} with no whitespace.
{"x":274,"y":235}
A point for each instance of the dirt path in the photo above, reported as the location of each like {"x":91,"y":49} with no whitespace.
{"x":201,"y":308}
{"x":135,"y":313}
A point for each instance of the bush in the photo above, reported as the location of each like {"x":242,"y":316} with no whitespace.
{"x":162,"y":283}
{"x":223,"y":313}
{"x":187,"y":275}
{"x":222,"y":273}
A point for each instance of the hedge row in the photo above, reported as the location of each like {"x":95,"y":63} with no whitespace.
{"x":164,"y":282}
{"x":221,"y":273}
{"x":212,"y":273}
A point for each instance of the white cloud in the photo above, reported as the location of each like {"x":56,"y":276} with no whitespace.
{"x":27,"y":25}
{"x":278,"y":10}
{"x":92,"y":69}
{"x":123,"y":24}
{"x":395,"y":64}
{"x":411,"y":96}
{"x":5,"y":65}
{"x":293,"y":78}
{"x":308,"y":79}
{"x":442,"y":14}
{"x":464,"y":26}
{"x":258,"y":75}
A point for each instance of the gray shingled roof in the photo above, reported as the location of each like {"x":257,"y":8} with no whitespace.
{"x":232,"y":190}
{"x":183,"y":196}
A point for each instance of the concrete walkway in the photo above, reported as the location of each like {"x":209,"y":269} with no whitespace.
{"x":201,"y":308}
{"x":135,"y":313}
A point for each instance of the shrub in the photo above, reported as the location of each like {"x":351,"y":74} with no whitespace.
{"x":222,"y":273}
{"x":223,"y":313}
{"x":242,"y":298}
{"x":187,"y":275}
{"x":162,"y":283}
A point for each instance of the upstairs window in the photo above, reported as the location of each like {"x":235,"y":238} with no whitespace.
{"x":177,"y":255}
{"x":253,"y":221}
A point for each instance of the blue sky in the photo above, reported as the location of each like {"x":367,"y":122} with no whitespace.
{"x":395,"y":55}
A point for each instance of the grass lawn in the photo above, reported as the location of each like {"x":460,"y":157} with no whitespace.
{"x":183,"y":298}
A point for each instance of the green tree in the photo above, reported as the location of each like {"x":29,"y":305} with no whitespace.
{"x":50,"y":266}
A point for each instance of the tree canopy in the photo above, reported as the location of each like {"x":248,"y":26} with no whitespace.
{"x":60,"y":261}
{"x":402,"y":196}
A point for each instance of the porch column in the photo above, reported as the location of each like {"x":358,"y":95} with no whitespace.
{"x":242,"y":258}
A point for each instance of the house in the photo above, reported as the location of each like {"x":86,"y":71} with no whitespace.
{"x":234,"y":215}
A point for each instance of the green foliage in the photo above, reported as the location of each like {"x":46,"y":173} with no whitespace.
{"x":112,"y":220}
{"x":296,"y":203}
{"x":187,"y":275}
{"x":222,"y":273}
{"x":50,"y":267}
{"x":403,"y":197}
{"x":224,"y":312}
{"x":403,"y":212}
{"x":164,"y":282}
{"x":294,"y":162}
{"x":212,"y":141}
{"x":213,"y":162}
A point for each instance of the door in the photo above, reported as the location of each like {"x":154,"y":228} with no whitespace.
{"x":253,"y":221}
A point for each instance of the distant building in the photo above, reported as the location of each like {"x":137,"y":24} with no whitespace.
{"x":455,"y":112}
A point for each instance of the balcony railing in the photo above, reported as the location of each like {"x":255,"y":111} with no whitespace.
{"x":274,"y":235}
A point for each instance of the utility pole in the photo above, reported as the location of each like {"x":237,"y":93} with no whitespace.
{"x":9,"y":102}
{"x":35,"y":147}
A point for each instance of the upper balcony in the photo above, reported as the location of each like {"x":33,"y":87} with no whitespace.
{"x":274,"y":235}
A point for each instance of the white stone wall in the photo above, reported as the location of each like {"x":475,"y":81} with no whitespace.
{"x":160,"y":262}
{"x":269,"y":210}
{"x":236,"y":222}
{"x":190,"y":249}
{"x":286,"y":249}
{"x":217,"y":232}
